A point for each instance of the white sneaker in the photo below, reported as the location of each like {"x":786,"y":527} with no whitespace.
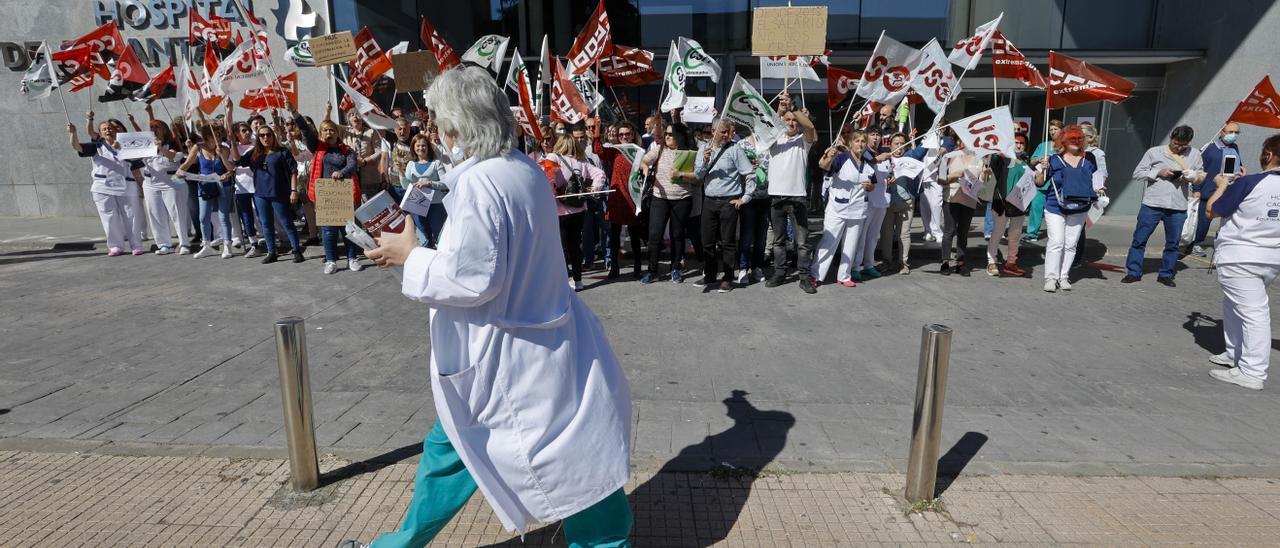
{"x":1064,"y":284}
{"x":226,"y":251}
{"x":184,"y":250}
{"x":330,"y":267}
{"x":216,"y":243}
{"x":1051,"y":285}
{"x":164,"y":250}
{"x":236,"y":243}
{"x":742,"y":276}
{"x":204,"y":252}
{"x":1236,"y":377}
{"x":1224,"y":359}
{"x":354,"y":265}
{"x":253,"y":252}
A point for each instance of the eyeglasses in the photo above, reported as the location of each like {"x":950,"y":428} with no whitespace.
{"x":624,"y":134}
{"x":261,"y":135}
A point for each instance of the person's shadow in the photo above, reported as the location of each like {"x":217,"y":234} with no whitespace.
{"x":697,"y":496}
{"x":1206,"y":331}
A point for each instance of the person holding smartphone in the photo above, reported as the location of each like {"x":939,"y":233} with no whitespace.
{"x":1169,"y":171}
{"x":1221,"y":155}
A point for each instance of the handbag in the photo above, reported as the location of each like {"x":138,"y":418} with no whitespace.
{"x":210,"y":190}
{"x":576,"y":185}
{"x":650,"y":181}
{"x":1071,"y":204}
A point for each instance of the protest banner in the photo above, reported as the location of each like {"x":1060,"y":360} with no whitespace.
{"x":789,"y":31}
{"x":136,"y":145}
{"x":334,"y":206}
{"x":331,"y":49}
{"x":414,"y":71}
{"x":699,"y":110}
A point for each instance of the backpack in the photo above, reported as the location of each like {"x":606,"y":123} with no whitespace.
{"x":1073,"y":200}
{"x":576,"y":182}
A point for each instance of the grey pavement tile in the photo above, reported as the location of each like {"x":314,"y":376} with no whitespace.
{"x":254,"y":433}
{"x":369,"y":434}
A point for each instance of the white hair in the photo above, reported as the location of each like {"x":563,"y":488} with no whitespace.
{"x":469,"y":105}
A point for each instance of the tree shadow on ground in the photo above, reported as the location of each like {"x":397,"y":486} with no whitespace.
{"x":697,"y":496}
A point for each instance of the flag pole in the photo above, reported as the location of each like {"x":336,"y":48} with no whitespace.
{"x":800,"y":78}
{"x":166,"y":110}
{"x":63,"y":99}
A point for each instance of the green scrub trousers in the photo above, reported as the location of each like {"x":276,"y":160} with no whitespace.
{"x":443,"y":485}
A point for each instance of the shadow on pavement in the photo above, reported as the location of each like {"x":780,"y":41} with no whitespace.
{"x":953,"y":462}
{"x":372,"y":464}
{"x":1206,"y":331}
{"x":697,"y":496}
{"x":43,"y":255}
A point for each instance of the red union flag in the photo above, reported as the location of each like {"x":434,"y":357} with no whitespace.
{"x":104,"y":42}
{"x":888,"y":74}
{"x":839,"y":83}
{"x":628,"y":66}
{"x":281,"y":94}
{"x":75,"y":66}
{"x":594,"y":42}
{"x":989,"y":132}
{"x":524,"y":112}
{"x":566,"y":102}
{"x":370,"y":61}
{"x":1261,"y":108}
{"x":214,"y":30}
{"x":445,"y":56}
{"x":1072,"y":82}
{"x":1011,"y":63}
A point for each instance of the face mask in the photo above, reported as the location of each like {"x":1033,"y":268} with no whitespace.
{"x":1230,"y":138}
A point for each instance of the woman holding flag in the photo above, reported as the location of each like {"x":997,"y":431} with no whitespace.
{"x":115,"y":186}
{"x":621,"y":210}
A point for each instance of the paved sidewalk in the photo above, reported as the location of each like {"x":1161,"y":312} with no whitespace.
{"x":67,"y":499}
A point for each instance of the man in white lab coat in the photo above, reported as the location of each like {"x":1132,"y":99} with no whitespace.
{"x":533,"y":407}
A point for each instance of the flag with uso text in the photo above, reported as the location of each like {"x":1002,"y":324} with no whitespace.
{"x":1073,"y":82}
{"x":839,"y":83}
{"x":989,"y":132}
{"x":933,"y":79}
{"x":968,"y":52}
{"x":593,"y":44}
{"x":887,"y":77}
{"x":1261,"y":108}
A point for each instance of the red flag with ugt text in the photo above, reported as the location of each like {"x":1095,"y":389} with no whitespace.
{"x":566,"y":102}
{"x":839,"y":83}
{"x":370,"y":61}
{"x":1073,"y":82}
{"x":628,"y":66}
{"x":594,"y":43}
{"x":281,"y":94}
{"x":445,"y":56}
{"x":1011,"y":63}
{"x":1261,"y":108}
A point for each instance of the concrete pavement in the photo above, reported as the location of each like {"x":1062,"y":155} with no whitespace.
{"x":154,"y":354}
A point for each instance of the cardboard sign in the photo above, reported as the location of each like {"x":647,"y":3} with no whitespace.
{"x":699,"y":110}
{"x":414,"y":71}
{"x":332,"y":49}
{"x":334,"y":206}
{"x":136,"y":145}
{"x":789,"y":31}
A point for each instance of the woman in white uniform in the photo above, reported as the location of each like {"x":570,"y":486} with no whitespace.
{"x":1247,"y":252}
{"x":852,"y":178}
{"x":166,"y":195}
{"x":533,"y":407}
{"x":114,"y":188}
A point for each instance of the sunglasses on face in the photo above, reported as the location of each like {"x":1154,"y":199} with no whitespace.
{"x":624,"y":134}
{"x":261,"y":135}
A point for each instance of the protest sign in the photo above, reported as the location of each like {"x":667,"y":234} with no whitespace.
{"x":789,"y":31}
{"x":331,"y":49}
{"x":414,"y":71}
{"x":417,"y":200}
{"x":334,"y":206}
{"x":699,"y":110}
{"x":1024,"y":191}
{"x":136,"y":145}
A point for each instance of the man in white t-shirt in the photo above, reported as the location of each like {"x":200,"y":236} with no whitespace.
{"x":788,"y":160}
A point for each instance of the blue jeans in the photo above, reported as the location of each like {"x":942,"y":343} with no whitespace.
{"x":244,"y":206}
{"x":429,"y":227}
{"x":1148,"y":217}
{"x":1202,"y":222}
{"x":989,"y":224}
{"x":193,"y":207}
{"x":220,"y":205}
{"x":593,"y":233}
{"x":329,"y":236}
{"x":268,"y":211}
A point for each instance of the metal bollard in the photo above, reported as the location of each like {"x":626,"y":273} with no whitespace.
{"x":926,"y":426}
{"x":295,"y":395}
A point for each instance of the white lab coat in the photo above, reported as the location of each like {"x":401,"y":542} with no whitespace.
{"x":525,"y":383}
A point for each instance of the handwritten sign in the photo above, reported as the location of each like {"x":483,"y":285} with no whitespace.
{"x":699,"y":110}
{"x":332,"y":49}
{"x":414,"y":71}
{"x":136,"y":145}
{"x":789,"y":31}
{"x":334,"y":206}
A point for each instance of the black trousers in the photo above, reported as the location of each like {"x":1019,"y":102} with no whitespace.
{"x":662,"y":211}
{"x":795,"y":208}
{"x":957,"y":219}
{"x":615,"y":245}
{"x":571,"y":242}
{"x":719,"y":238}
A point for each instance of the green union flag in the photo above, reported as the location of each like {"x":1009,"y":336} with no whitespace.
{"x":745,"y":106}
